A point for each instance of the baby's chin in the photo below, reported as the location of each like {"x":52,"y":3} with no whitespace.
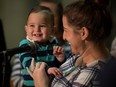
{"x":36,"y":40}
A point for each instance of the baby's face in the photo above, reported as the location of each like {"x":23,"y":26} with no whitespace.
{"x":38,"y":28}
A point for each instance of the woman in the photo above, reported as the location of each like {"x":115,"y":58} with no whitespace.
{"x":87,"y":24}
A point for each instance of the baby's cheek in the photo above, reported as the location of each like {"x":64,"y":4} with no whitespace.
{"x":30,"y":37}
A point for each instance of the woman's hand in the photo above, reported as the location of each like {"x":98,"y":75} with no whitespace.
{"x":38,"y":74}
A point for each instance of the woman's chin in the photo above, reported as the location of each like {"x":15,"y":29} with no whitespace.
{"x":74,"y":52}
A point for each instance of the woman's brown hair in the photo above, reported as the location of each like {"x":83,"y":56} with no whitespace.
{"x":92,"y":14}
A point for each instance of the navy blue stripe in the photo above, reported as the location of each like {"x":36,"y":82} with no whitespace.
{"x":28,"y":63}
{"x":26,"y":55}
{"x":27,"y":77}
{"x":44,"y":53}
{"x":27,"y":86}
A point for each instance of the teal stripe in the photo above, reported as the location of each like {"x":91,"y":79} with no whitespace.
{"x":42,"y":48}
{"x":25,"y":41}
{"x":47,"y":58}
{"x":23,"y":53}
{"x":20,"y":54}
{"x":45,"y":48}
{"x":25,"y":72}
{"x":25,"y":61}
{"x":50,"y":48}
{"x":29,"y":83}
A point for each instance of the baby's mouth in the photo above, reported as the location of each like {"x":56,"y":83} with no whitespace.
{"x":37,"y":35}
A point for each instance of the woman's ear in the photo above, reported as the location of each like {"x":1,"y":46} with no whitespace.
{"x":84,"y":33}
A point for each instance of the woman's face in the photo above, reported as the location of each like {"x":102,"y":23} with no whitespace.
{"x":73,"y":36}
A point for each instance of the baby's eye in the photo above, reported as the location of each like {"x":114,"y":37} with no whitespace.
{"x":42,"y":26}
{"x":31,"y":26}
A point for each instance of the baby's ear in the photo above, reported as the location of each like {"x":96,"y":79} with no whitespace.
{"x":26,"y":28}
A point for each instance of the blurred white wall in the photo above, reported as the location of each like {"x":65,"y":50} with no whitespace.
{"x":13,"y":14}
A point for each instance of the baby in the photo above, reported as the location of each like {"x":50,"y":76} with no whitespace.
{"x":39,"y":28}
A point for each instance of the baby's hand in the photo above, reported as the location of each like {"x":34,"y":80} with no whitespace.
{"x":55,"y":71}
{"x":59,"y":53}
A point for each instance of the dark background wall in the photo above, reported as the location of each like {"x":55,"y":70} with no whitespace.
{"x":113,"y":12}
{"x":2,"y":47}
